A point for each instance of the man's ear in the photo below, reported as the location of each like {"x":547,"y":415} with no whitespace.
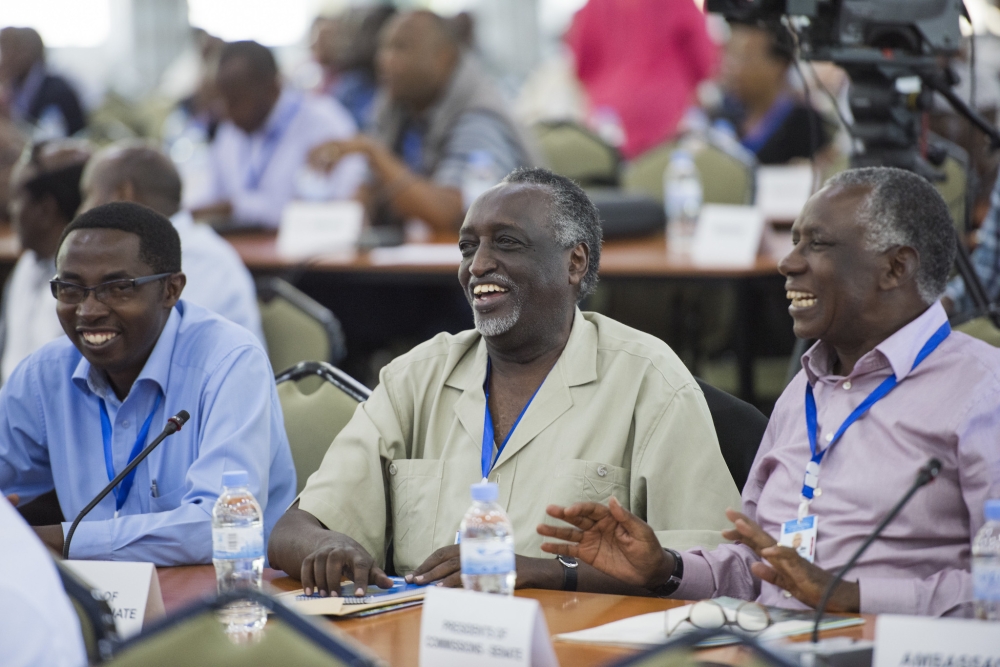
{"x":901,"y":266}
{"x":172,"y":291}
{"x":579,"y":260}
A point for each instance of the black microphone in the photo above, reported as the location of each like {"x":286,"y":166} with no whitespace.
{"x":925,"y":476}
{"x":174,"y":424}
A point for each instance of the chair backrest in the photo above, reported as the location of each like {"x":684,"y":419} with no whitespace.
{"x":296,"y":327}
{"x":194,"y":636}
{"x":314,"y":418}
{"x":727,"y":174}
{"x":573,"y":151}
{"x":97,"y":621}
{"x":739,"y":427}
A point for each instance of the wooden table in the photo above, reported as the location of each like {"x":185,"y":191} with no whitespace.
{"x":395,"y":636}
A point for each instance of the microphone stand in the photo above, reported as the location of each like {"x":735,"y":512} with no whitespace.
{"x":174,"y":424}
{"x":926,"y":475}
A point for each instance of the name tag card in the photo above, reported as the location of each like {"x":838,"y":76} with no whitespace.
{"x":309,"y":228}
{"x":460,"y":627}
{"x":917,"y":641}
{"x":132,"y":590}
{"x":782,"y":191}
{"x":727,"y":236}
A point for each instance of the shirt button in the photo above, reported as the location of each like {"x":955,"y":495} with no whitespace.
{"x":392,"y":468}
{"x":602,"y":471}
{"x":829,"y":437}
{"x":818,"y":492}
{"x":125,"y":423}
{"x":847,"y":384}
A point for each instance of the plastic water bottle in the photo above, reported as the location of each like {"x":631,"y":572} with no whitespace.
{"x":986,"y":564}
{"x":238,"y":553}
{"x":487,"y":544}
{"x":480,"y":175}
{"x":682,"y":196}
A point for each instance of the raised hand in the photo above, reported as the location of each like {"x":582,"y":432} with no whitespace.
{"x":787,"y":570}
{"x":610,"y":538}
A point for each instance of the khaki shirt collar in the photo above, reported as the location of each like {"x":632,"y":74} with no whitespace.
{"x":577,"y":365}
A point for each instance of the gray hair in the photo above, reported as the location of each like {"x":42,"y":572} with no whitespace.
{"x":574,"y":218}
{"x":904,"y":209}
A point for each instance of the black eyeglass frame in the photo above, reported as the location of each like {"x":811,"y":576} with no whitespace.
{"x":55,"y":283}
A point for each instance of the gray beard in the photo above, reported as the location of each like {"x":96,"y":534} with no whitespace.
{"x":497,"y":326}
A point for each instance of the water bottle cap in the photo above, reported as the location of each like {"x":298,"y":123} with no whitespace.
{"x":992,"y":510}
{"x":485,"y":492}
{"x":235,"y":478}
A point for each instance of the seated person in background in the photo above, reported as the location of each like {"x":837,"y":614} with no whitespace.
{"x":766,"y":115}
{"x":136,"y":355}
{"x":29,"y":93}
{"x":38,"y":624}
{"x":216,"y":276}
{"x":436,"y":110}
{"x":260,"y":150}
{"x":345,"y":47}
{"x":548,"y":402}
{"x":872,"y":254}
{"x":985,"y":260}
{"x":45,"y":195}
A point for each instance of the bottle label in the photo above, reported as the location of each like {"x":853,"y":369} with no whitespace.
{"x":986,"y":581}
{"x":233,"y":543}
{"x":486,"y":557}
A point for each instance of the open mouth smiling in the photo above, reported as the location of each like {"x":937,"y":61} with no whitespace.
{"x":98,"y":339}
{"x":800,"y":299}
{"x":487,"y":295}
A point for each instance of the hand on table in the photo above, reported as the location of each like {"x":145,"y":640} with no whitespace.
{"x":52,"y":536}
{"x":444,"y":568}
{"x":326,"y":156}
{"x":13,"y":499}
{"x":787,"y":570}
{"x":336,"y":559}
{"x":612,"y":539}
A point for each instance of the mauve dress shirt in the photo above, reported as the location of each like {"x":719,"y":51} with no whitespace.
{"x":948,"y":407}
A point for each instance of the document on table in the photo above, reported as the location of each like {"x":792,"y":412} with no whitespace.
{"x":400,"y":595}
{"x":649,"y":630}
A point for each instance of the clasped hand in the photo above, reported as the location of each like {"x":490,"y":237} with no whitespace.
{"x":617,"y":542}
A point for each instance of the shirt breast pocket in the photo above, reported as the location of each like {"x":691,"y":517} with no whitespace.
{"x":415,"y":487}
{"x":577,"y":481}
{"x":167,"y":501}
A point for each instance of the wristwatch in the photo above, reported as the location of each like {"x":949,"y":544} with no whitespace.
{"x":569,"y":572}
{"x":673,"y":583}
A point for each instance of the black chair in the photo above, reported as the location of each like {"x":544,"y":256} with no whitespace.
{"x":739,"y":427}
{"x":97,"y":621}
{"x":42,"y":511}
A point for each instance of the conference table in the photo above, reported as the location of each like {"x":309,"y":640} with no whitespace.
{"x":395,"y":636}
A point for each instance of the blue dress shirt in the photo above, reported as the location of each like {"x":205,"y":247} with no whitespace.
{"x":50,"y":436}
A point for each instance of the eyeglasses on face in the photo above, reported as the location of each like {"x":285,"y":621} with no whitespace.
{"x":110,"y":293}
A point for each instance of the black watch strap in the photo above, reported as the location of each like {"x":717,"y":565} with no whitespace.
{"x":674,"y":582}
{"x":570,"y":566}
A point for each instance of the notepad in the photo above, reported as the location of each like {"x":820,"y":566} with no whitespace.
{"x":648,"y":630}
{"x":401,"y":594}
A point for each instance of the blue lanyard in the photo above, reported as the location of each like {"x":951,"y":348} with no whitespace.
{"x":121,"y":493}
{"x":487,"y":461}
{"x":887,"y":385}
{"x":270,"y":145}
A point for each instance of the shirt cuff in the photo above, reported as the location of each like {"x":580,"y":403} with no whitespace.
{"x":697,"y":582}
{"x":92,"y":540}
{"x":887,"y":596}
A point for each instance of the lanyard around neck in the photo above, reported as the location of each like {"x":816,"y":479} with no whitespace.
{"x":880,"y":392}
{"x":269,"y":146}
{"x":122,"y":491}
{"x":487,"y":459}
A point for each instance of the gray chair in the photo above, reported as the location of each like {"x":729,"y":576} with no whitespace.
{"x":317,"y":401}
{"x":296,"y":327}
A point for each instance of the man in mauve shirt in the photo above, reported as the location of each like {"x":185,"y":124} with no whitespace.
{"x":872,"y":254}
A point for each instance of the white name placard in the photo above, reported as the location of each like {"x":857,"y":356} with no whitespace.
{"x":132,"y":590}
{"x":727,"y":236}
{"x":319,"y":228}
{"x":459,"y":627}
{"x":918,"y":641}
{"x":783,"y":190}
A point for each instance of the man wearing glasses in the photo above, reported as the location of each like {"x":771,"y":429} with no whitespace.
{"x":76,"y":411}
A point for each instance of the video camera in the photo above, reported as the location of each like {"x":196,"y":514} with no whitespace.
{"x":896,"y":54}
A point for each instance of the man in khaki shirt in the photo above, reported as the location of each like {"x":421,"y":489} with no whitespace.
{"x":583,"y":407}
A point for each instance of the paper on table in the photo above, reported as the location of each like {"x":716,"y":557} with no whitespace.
{"x":650,"y":629}
{"x":338,"y":606}
{"x":421,"y":254}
